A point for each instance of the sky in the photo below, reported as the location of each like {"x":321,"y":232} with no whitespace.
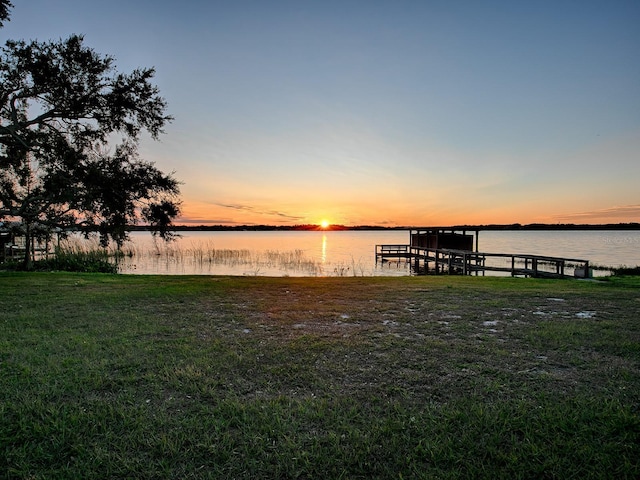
{"x":389,"y":113}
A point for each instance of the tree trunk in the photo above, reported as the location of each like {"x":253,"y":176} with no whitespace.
{"x":27,"y":262}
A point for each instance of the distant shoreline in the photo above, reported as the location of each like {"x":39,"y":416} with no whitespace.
{"x":310,"y":227}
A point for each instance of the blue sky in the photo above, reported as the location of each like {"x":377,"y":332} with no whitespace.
{"x":382,"y":112}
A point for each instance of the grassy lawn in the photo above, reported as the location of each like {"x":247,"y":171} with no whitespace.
{"x":114,"y":376}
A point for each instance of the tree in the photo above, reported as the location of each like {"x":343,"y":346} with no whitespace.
{"x":62,"y":106}
{"x":5,"y":5}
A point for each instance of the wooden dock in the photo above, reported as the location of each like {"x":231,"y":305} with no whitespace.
{"x":13,"y":247}
{"x":427,"y":253}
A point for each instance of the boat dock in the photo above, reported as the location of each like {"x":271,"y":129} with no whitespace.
{"x":439,"y":251}
{"x":12,"y":247}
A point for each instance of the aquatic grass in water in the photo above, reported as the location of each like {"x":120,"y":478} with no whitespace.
{"x":204,"y":257}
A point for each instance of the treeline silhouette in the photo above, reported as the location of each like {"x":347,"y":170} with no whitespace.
{"x":313,"y":227}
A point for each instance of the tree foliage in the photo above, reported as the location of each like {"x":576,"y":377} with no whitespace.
{"x":62,"y":108}
{"x":5,"y":5}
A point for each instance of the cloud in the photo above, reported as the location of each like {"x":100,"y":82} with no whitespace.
{"x":206,"y":221}
{"x":627,"y":213}
{"x":237,"y":207}
{"x":257,"y":211}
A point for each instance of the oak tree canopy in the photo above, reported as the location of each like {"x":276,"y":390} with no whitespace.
{"x":70,"y":126}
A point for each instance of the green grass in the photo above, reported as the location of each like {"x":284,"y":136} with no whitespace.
{"x":107,"y":376}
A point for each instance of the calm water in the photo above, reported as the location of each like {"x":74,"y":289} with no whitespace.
{"x":347,"y":253}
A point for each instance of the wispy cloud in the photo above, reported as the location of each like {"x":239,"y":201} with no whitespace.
{"x":237,"y":207}
{"x":626,"y":213}
{"x":206,"y":221}
{"x":258,"y":211}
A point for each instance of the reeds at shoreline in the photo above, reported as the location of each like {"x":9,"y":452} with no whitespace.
{"x":204,"y":257}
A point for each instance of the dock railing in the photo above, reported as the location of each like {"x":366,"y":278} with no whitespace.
{"x":392,"y":251}
{"x":15,"y":251}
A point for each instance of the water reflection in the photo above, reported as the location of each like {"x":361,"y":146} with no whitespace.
{"x":323,"y":256}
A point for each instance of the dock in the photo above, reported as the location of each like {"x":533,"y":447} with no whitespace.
{"x":450,"y":251}
{"x":12,"y":247}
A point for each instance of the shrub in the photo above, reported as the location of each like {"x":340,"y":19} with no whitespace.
{"x":74,"y":260}
{"x":627,"y":271}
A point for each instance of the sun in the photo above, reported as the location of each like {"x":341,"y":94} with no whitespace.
{"x":324,"y":224}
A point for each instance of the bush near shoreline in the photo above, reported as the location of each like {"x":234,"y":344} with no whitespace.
{"x":119,"y":376}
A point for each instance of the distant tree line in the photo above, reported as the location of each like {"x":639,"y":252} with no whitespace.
{"x":313,"y":227}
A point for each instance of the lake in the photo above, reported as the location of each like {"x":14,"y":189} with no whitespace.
{"x":348,"y":253}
